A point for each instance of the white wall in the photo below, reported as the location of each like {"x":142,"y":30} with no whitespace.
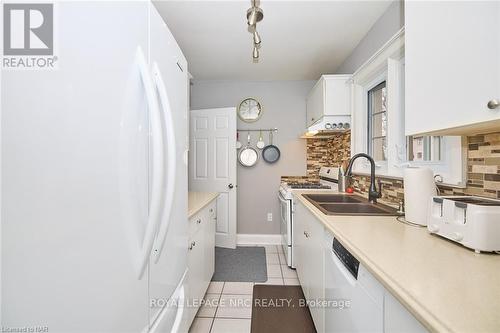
{"x":285,"y":108}
{"x":385,"y":27}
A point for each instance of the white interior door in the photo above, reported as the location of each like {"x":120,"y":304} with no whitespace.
{"x":212,"y":165}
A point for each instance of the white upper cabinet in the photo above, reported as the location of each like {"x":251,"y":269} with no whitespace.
{"x":452,"y":66}
{"x":329,"y":97}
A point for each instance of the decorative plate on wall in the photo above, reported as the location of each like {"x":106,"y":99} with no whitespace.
{"x":249,"y":110}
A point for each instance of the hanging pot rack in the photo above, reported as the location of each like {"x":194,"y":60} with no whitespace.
{"x":275,"y":130}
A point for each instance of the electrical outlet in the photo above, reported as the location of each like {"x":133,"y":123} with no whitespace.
{"x":269,"y":217}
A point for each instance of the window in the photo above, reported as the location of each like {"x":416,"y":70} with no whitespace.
{"x":424,"y":148}
{"x":377,"y":122}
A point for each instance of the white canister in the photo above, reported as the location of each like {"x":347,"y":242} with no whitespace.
{"x":419,"y":187}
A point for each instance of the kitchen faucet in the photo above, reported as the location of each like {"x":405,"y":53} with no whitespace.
{"x":373,"y":194}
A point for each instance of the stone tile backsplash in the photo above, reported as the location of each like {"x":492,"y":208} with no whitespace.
{"x":392,"y":189}
{"x":483,"y":173}
{"x":324,"y":152}
{"x":483,"y":161}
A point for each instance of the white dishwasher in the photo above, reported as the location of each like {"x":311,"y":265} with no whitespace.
{"x":356,"y":298}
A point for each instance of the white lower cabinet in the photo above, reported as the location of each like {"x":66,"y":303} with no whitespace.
{"x":201,"y":257}
{"x":310,"y":265}
{"x":324,"y":278}
{"x":315,"y":232}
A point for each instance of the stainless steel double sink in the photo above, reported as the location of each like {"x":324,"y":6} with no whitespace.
{"x":348,"y":204}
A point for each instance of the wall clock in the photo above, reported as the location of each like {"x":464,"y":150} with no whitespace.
{"x":249,"y":110}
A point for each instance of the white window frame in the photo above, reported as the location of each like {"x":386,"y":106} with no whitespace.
{"x":387,"y":64}
{"x":369,"y":123}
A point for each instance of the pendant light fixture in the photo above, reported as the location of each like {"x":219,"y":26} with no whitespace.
{"x":256,"y":38}
{"x":255,"y":15}
{"x":255,"y":53}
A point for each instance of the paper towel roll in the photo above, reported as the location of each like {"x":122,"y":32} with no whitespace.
{"x":419,"y":187}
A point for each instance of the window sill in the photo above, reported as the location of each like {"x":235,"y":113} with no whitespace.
{"x":385,"y":176}
{"x":379,"y":175}
{"x":459,"y":186}
{"x":425,"y":163}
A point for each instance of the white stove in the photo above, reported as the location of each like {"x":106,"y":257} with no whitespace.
{"x":328,"y":181}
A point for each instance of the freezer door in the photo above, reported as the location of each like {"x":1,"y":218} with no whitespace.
{"x":172,"y":316}
{"x":169,"y":258}
{"x":68,"y":242}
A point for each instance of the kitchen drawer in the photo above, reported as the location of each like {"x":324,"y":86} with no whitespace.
{"x":195,"y":223}
{"x":206,"y":215}
{"x":212,"y":210}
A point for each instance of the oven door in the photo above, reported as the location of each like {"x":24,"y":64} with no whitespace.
{"x":286,"y":225}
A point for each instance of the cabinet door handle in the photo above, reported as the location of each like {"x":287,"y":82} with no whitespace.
{"x":211,"y":210}
{"x":192,"y":245}
{"x":493,"y":104}
{"x":306,"y":234}
{"x":198,"y":221}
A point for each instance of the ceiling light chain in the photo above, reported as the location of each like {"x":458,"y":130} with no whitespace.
{"x":254,"y":15}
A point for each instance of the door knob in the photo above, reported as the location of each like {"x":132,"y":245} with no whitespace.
{"x":493,"y":104}
{"x":230,"y":185}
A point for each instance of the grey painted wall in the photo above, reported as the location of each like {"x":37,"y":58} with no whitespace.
{"x":385,"y":27}
{"x":284,"y":107}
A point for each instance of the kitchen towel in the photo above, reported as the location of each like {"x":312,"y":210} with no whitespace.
{"x":419,"y":187}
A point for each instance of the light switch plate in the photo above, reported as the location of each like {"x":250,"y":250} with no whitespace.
{"x":269,"y":217}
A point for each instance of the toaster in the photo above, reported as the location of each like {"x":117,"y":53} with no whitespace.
{"x":471,"y":221}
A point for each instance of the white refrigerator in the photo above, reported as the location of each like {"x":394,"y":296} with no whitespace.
{"x":94,"y":176}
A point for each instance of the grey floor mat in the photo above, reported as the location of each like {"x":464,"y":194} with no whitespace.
{"x":243,"y":264}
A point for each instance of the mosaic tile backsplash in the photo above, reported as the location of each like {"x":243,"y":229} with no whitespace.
{"x":332,"y":152}
{"x":483,"y":172}
{"x":324,"y":152}
{"x":483,"y":161}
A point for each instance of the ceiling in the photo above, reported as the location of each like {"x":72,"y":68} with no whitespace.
{"x":300,"y":39}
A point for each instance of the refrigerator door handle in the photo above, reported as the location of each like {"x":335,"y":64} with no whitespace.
{"x":171,"y":160}
{"x":181,"y":305}
{"x":157,"y":181}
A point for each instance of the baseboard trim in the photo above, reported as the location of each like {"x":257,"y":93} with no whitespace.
{"x":258,"y":239}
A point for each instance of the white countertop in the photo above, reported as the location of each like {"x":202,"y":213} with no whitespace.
{"x":198,"y":200}
{"x":444,"y":285}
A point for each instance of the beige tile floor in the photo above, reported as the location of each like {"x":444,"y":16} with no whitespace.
{"x":229,"y":308}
